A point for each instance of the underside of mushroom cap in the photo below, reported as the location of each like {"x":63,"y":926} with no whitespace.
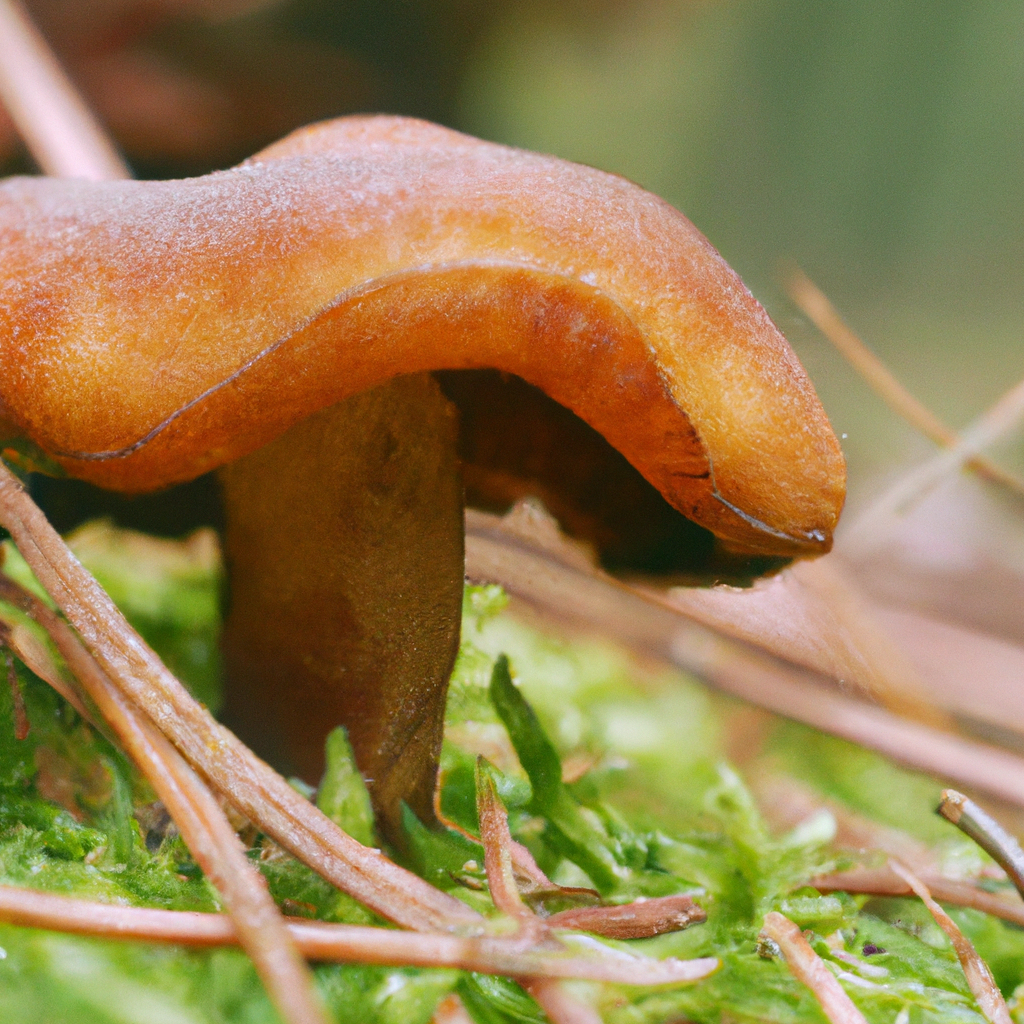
{"x":151,"y":331}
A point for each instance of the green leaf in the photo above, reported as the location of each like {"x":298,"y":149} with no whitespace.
{"x":342,"y":794}
{"x":491,"y":1000}
{"x":536,"y":753}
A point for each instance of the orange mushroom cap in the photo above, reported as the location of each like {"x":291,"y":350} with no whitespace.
{"x":151,"y":331}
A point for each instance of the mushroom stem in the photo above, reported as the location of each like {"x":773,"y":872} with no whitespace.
{"x":344,"y":547}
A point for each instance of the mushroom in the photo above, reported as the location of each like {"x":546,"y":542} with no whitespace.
{"x":281,"y":320}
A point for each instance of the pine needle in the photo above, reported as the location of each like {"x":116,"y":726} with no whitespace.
{"x":816,"y":306}
{"x":808,"y":968}
{"x":977,"y":972}
{"x":61,"y":132}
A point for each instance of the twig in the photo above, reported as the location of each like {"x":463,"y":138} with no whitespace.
{"x":230,"y":767}
{"x":817,"y":307}
{"x":201,"y":820}
{"x":986,"y":832}
{"x":882,"y":882}
{"x":60,"y":130}
{"x":342,"y":943}
{"x":641,"y":919}
{"x":497,"y":843}
{"x":588,"y":599}
{"x":977,"y":972}
{"x":809,"y":969}
{"x":37,"y":659}
{"x":999,"y":419}
{"x":317,"y":940}
{"x":560,"y":1006}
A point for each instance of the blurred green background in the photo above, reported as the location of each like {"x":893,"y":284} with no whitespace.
{"x":879,"y":144}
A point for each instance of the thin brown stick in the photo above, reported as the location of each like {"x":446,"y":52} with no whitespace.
{"x":809,"y":969}
{"x":232,"y":769}
{"x":977,"y":972}
{"x":986,"y":832}
{"x":200,"y":819}
{"x":341,"y":943}
{"x":641,"y":919}
{"x":497,"y":844}
{"x":883,"y":882}
{"x":59,"y":129}
{"x":999,"y":419}
{"x":587,"y":599}
{"x":560,"y":1006}
{"x":36,"y":658}
{"x":817,"y":307}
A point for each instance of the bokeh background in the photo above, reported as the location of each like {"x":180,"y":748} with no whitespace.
{"x":879,"y":144}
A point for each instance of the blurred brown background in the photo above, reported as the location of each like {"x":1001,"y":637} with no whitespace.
{"x":877,"y":143}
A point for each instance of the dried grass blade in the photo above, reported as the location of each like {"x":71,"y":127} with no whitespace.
{"x":977,"y":972}
{"x":202,"y":823}
{"x":60,"y":130}
{"x":814,"y":615}
{"x":230,"y":767}
{"x":882,"y":882}
{"x":560,"y":1005}
{"x":998,"y":420}
{"x":809,"y":969}
{"x":35,"y":657}
{"x":497,"y":844}
{"x":893,"y":680}
{"x":339,"y":943}
{"x":817,"y":307}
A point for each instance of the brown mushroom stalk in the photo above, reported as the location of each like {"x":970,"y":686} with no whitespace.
{"x":344,"y":547}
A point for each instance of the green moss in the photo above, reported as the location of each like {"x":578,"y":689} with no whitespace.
{"x":658,"y":809}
